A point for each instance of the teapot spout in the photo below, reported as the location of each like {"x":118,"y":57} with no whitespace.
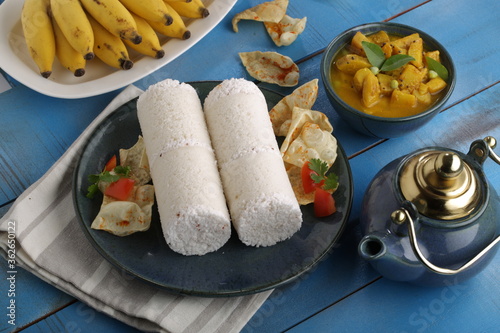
{"x":372,"y":247}
{"x":378,"y":250}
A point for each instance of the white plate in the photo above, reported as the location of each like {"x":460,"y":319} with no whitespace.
{"x":99,"y":78}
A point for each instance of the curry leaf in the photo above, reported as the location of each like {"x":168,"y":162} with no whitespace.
{"x":376,"y":57}
{"x":437,"y":67}
{"x":396,"y":61}
{"x":374,"y":53}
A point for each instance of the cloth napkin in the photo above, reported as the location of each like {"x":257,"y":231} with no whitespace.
{"x":51,"y":245}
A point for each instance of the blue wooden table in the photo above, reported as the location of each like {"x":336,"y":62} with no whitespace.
{"x":342,"y":293}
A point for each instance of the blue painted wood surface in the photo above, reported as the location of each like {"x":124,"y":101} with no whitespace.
{"x":342,"y":293}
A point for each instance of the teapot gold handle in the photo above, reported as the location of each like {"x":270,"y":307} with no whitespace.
{"x":402,"y":215}
{"x":492,"y":143}
{"x":481,"y":149}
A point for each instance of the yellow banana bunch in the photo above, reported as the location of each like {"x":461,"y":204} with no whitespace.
{"x":75,"y":26}
{"x":114,"y":17}
{"x":110,"y":48}
{"x":153,"y":10}
{"x":177,"y":29}
{"x":39,"y":34}
{"x":77,"y":30}
{"x":67,"y":55}
{"x":150,"y":44}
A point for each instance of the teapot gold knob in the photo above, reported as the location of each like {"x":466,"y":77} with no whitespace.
{"x":398,"y":216}
{"x":448,"y":165}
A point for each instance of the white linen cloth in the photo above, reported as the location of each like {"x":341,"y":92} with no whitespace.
{"x":51,"y":245}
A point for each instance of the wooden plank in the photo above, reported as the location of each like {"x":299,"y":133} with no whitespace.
{"x":387,"y":306}
{"x":33,"y":299}
{"x":78,"y":317}
{"x":36,"y":131}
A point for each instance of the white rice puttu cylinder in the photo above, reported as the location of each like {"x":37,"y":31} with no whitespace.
{"x":262,"y":204}
{"x":172,"y":114}
{"x":191,"y":203}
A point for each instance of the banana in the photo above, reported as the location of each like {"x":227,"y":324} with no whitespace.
{"x":110,"y":48}
{"x":150,"y":44}
{"x":67,"y":55}
{"x":191,"y":9}
{"x":177,"y":29}
{"x":113,"y":16}
{"x":153,"y":10}
{"x":74,"y":24}
{"x":39,"y":34}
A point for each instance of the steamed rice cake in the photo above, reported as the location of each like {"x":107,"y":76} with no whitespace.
{"x":261,"y":201}
{"x":191,"y":203}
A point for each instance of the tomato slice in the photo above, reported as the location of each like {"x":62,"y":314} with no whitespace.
{"x":324,"y":204}
{"x":121,"y":189}
{"x":307,"y":183}
{"x":111,"y":164}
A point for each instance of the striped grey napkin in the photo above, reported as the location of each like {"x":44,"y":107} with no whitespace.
{"x":52,"y":246}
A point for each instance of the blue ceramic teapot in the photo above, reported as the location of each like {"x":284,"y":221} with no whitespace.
{"x":431,"y":217}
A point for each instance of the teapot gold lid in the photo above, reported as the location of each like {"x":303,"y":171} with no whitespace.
{"x":440,"y":184}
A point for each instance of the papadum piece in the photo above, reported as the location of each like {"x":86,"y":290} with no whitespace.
{"x":271,"y":67}
{"x":303,"y":97}
{"x":123,"y":218}
{"x":136,"y":158}
{"x":310,"y":136}
{"x":286,"y":31}
{"x":313,"y":142}
{"x":300,"y":117}
{"x":272,"y":11}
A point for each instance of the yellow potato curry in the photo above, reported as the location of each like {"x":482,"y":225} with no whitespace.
{"x":405,"y":91}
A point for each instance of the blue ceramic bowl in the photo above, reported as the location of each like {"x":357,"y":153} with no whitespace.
{"x":375,"y":126}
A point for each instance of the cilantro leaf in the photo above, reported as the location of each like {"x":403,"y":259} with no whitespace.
{"x":106,"y":176}
{"x":331,"y":182}
{"x":318,"y":166}
{"x":92,"y":190}
{"x":123,"y":171}
{"x":317,"y":178}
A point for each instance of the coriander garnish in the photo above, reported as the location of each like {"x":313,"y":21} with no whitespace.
{"x":320,"y":168}
{"x":106,"y":176}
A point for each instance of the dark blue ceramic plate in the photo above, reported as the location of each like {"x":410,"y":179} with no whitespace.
{"x":235,"y":269}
